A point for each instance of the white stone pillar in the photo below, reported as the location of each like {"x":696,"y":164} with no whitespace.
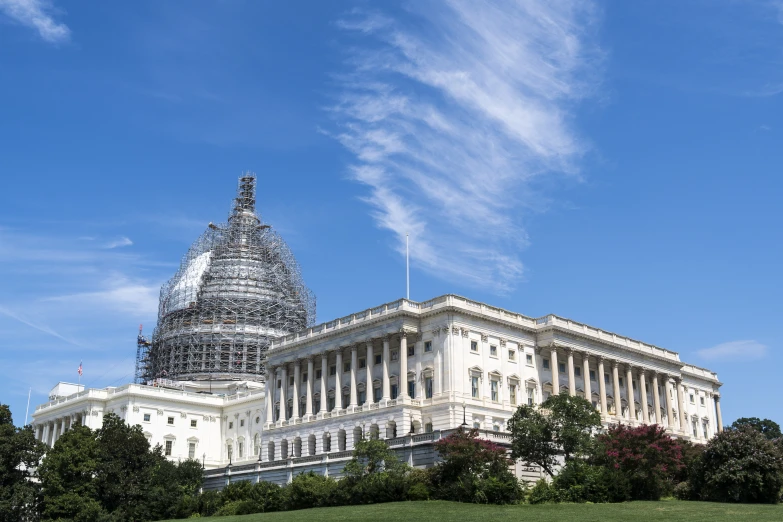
{"x":46,"y":434}
{"x":368,"y":387}
{"x":283,"y":394}
{"x":602,"y":387}
{"x":386,"y":386}
{"x":309,"y":391}
{"x":271,"y":384}
{"x":297,"y":380}
{"x":643,"y":392}
{"x":555,"y":372}
{"x":403,"y":381}
{"x":354,"y":364}
{"x":669,"y":407}
{"x":586,"y":377}
{"x":618,"y":400}
{"x":717,"y":412}
{"x":324,"y":376}
{"x":338,"y":381}
{"x":681,"y":407}
{"x":571,"y":376}
{"x":629,"y":393}
{"x":657,"y":400}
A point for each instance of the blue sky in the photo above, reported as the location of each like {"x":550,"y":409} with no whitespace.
{"x":617,"y":163}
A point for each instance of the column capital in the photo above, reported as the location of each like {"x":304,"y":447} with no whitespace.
{"x":368,"y":342}
{"x":616,"y":364}
{"x":354,"y":348}
{"x":403,"y":332}
{"x":585,"y":355}
{"x":642,"y":372}
{"x":630,"y":367}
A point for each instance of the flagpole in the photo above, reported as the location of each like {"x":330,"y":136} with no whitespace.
{"x":407,"y":271}
{"x":27,"y":412}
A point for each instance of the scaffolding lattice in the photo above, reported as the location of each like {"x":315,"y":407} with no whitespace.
{"x":238,"y":286}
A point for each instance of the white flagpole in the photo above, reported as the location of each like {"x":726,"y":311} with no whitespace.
{"x":27,"y":412}
{"x":407,"y":271}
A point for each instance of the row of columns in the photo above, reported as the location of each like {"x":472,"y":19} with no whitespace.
{"x":49,"y":431}
{"x":282,"y":371}
{"x":630,"y":370}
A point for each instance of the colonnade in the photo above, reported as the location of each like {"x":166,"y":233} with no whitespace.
{"x":49,"y":431}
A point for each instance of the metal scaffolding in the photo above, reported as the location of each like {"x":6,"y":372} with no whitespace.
{"x":238,"y":286}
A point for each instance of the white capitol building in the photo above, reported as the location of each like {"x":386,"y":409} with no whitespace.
{"x":408,"y":372}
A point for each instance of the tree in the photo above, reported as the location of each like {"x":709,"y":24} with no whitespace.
{"x":373,"y":475}
{"x":739,"y":465}
{"x":20,"y":453}
{"x":647,"y":457}
{"x":562,"y":425}
{"x":770,"y":429}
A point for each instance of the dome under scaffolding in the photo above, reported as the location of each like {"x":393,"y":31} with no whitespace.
{"x":238,"y":287}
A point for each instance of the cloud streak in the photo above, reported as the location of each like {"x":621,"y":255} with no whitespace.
{"x":36,"y":14}
{"x":34,"y":325}
{"x":734,"y":351}
{"x":452,"y":124}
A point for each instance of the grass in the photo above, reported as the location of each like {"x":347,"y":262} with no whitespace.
{"x":439,"y":510}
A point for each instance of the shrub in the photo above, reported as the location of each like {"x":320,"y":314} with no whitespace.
{"x":229,"y":508}
{"x":542,"y":492}
{"x":209,"y":502}
{"x":581,"y":481}
{"x":239,"y":490}
{"x":683,"y":491}
{"x":266,"y":497}
{"x":740,"y":465}
{"x":308,"y":490}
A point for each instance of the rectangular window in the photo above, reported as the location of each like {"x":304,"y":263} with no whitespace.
{"x":493,"y":385}
{"x":146,"y":417}
{"x":318,"y":374}
{"x":411,"y":350}
{"x":692,"y":399}
{"x":378,"y":359}
{"x":376,"y":394}
{"x":561,"y":367}
{"x":493,"y":350}
{"x":193,"y":423}
{"x":634,"y":385}
{"x":362,"y":397}
{"x":412,"y":389}
{"x":362,"y":363}
{"x":704,"y":428}
{"x":592,"y":375}
{"x":241,"y":423}
{"x":231,"y":425}
{"x":474,"y":387}
{"x":577,"y":372}
{"x":304,"y":377}
{"x":512,"y":394}
{"x":530,"y":396}
{"x":279,"y":382}
{"x":702,"y":400}
{"x":495,"y":428}
{"x":230,"y":451}
{"x":394,"y":391}
{"x":428,"y":387}
{"x":291,"y":380}
{"x":241,"y":448}
{"x":473,"y":346}
{"x":695,"y":430}
{"x":546,"y":364}
{"x":427,"y":346}
{"x":395,"y":355}
{"x":529,"y":359}
{"x":621,"y":382}
{"x":192,"y":450}
{"x":333,"y":370}
{"x":476,"y":425}
{"x":171,"y":420}
{"x":169,"y":447}
{"x":330,"y":402}
{"x":428,"y":427}
{"x":346,"y":367}
{"x":606,"y":379}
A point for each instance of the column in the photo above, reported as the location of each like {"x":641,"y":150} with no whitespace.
{"x":571,"y":378}
{"x":629,"y":392}
{"x":602,"y":387}
{"x":386,"y":387}
{"x":324,"y":376}
{"x":283,"y":389}
{"x":309,"y":391}
{"x":681,"y":406}
{"x":270,"y":394}
{"x":643,"y":391}
{"x":368,"y":386}
{"x":717,"y":412}
{"x":618,"y":402}
{"x":403,"y":381}
{"x":297,"y":379}
{"x":657,"y":400}
{"x":555,"y":371}
{"x":586,"y":377}
{"x":354,"y":364}
{"x":338,"y":381}
{"x":45,"y":439}
{"x":669,"y":409}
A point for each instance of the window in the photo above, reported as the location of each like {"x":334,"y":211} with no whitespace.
{"x":146,"y":417}
{"x":362,"y":363}
{"x":473,"y":346}
{"x":528,"y":359}
{"x":561,"y":367}
{"x":411,"y":350}
{"x":621,"y":381}
{"x":231,"y":425}
{"x":493,"y":386}
{"x":634,"y":385}
{"x":241,"y":423}
{"x":695,"y":430}
{"x":346,"y":367}
{"x":318,"y":374}
{"x":474,"y":387}
{"x":530,"y":396}
{"x":378,"y":359}
{"x":169,"y":447}
{"x":394,"y":391}
{"x":304,"y":377}
{"x":427,"y":346}
{"x":493,"y":350}
{"x":412,"y":389}
{"x":512,"y":394}
{"x":362,"y":397}
{"x":702,"y":400}
{"x":241,"y":448}
{"x":495,"y":428}
{"x":230,"y":451}
{"x":279,"y":383}
{"x":704,"y":428}
{"x":333,"y":370}
{"x":476,"y":425}
{"x":577,"y":371}
{"x":330,"y":402}
{"x":193,"y":423}
{"x":376,"y":394}
{"x":606,"y":379}
{"x":428,"y":427}
{"x":277,"y":412}
{"x":546,"y":364}
{"x":192,"y":450}
{"x":592,"y":375}
{"x":395,"y":355}
{"x":291,"y":380}
{"x":692,"y":399}
{"x":258,"y":419}
{"x":171,"y":421}
{"x":428,"y":387}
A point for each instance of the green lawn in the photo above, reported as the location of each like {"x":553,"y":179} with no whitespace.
{"x":438,"y":510}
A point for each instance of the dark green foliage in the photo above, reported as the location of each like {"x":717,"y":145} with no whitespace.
{"x":473,"y":470}
{"x":739,"y":465}
{"x":20,"y":498}
{"x":582,"y":481}
{"x":542,"y":493}
{"x":308,"y":490}
{"x":373,"y":475}
{"x":770,"y":429}
{"x":562,"y":425}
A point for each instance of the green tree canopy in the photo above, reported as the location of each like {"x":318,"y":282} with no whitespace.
{"x":562,"y":425}
{"x":20,"y":453}
{"x":770,"y":429}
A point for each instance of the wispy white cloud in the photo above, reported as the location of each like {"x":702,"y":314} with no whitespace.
{"x":119,"y":293}
{"x":35,"y":325}
{"x":119,"y":242}
{"x":38,"y":15}
{"x":734,"y":351}
{"x":453,"y":122}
